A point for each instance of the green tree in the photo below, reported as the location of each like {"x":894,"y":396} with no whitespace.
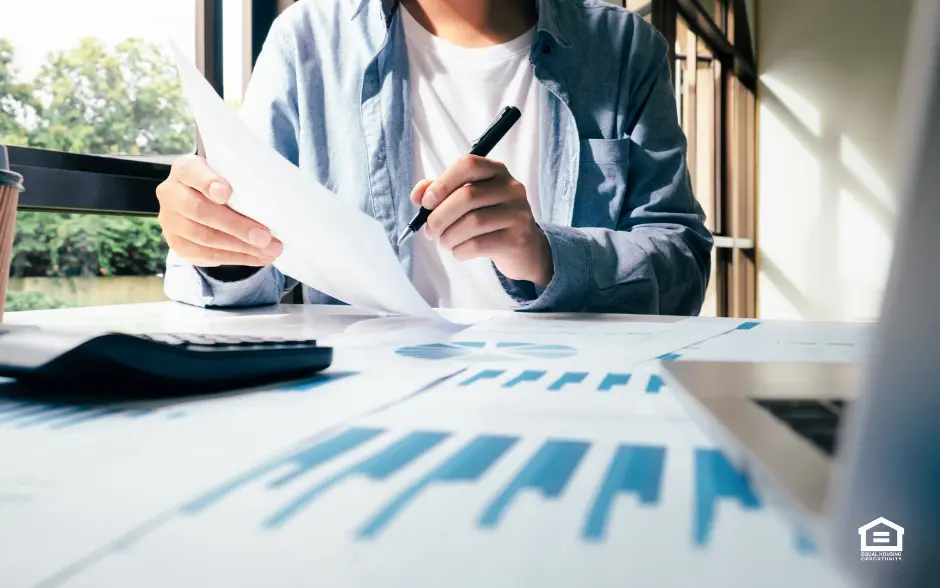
{"x":126,"y":101}
{"x":93,"y":99}
{"x":16,"y":100}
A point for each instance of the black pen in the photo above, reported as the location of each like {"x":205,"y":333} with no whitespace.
{"x":481,"y":147}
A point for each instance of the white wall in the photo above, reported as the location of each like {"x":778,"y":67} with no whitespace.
{"x":829,"y":74}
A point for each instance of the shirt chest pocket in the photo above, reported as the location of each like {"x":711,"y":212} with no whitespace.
{"x":602,"y":182}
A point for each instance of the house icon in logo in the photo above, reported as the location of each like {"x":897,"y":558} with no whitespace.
{"x":881,"y":535}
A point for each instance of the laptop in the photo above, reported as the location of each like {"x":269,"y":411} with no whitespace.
{"x":853,"y":450}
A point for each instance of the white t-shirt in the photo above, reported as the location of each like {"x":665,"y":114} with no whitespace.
{"x":456,"y":92}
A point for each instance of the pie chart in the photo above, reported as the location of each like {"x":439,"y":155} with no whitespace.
{"x":482,"y":351}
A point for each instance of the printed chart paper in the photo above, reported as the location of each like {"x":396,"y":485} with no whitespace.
{"x":787,"y":341}
{"x":614,"y":343}
{"x":433,"y":492}
{"x":324,"y":237}
{"x":75,"y":478}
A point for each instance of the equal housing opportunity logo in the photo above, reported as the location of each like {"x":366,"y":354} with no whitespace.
{"x":881,"y":540}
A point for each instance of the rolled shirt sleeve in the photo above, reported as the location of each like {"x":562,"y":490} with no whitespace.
{"x":657,"y":260}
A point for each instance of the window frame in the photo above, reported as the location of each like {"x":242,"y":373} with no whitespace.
{"x":735,"y":239}
{"x":58,"y":181}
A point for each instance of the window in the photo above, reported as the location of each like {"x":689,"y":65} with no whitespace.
{"x":96,"y":78}
{"x":698,"y":79}
{"x":94,"y":114}
{"x":236,"y":65}
{"x":716,"y":109}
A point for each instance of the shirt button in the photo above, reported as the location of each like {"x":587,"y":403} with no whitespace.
{"x":380,"y":157}
{"x":546,"y":49}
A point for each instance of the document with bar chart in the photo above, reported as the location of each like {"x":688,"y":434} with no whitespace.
{"x":501,"y":474}
{"x":525,"y":340}
{"x":73,"y":479}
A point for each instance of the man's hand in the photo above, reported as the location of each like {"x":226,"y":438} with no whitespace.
{"x":480,"y":210}
{"x":200,"y":228}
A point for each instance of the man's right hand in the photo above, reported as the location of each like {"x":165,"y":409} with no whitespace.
{"x":199,"y":226}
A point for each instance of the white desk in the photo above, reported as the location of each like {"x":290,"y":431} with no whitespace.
{"x":551,"y":456}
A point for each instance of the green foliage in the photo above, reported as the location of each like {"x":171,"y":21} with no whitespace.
{"x":97,"y":100}
{"x":93,"y":99}
{"x":69,"y":245}
{"x":17,"y":301}
{"x":16,"y":100}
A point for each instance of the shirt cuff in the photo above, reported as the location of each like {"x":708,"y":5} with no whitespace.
{"x":240,"y":292}
{"x":573,"y":278}
{"x":186,"y":283}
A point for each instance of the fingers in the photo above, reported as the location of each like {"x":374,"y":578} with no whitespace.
{"x":469,"y":168}
{"x":417,"y":193}
{"x":194,"y":171}
{"x":215,"y":239}
{"x":485,"y":245}
{"x":190,"y":204}
{"x":203,"y":256}
{"x":479,"y":222}
{"x":203,"y":231}
{"x":472,"y":197}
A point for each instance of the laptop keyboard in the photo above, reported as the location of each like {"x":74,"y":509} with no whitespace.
{"x":815,"y":420}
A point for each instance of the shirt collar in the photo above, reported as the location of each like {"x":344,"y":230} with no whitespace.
{"x":549,"y":21}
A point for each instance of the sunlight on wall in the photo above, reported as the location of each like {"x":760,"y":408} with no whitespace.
{"x":855,"y":162}
{"x":799,"y":106}
{"x":789,"y":207}
{"x":774,"y":302}
{"x":864,"y":258}
{"x":828,"y":89}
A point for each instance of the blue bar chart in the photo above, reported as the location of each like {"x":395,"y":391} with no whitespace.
{"x":604,"y":382}
{"x":633,"y":471}
{"x":30,"y":415}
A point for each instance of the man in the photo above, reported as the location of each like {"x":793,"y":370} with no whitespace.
{"x":584,"y":206}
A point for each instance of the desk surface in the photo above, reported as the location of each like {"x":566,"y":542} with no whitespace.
{"x":521,"y":450}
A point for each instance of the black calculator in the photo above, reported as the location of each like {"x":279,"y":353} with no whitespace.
{"x":152,"y":365}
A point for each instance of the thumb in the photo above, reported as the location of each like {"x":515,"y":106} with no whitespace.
{"x":417,"y":193}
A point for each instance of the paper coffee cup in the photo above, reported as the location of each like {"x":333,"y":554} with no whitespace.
{"x":11,"y":184}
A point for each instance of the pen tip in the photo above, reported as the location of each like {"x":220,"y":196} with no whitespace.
{"x":406,"y":234}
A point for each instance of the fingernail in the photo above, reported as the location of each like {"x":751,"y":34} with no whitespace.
{"x":259,"y":238}
{"x":427,"y":234}
{"x":218,"y":193}
{"x":273,"y":249}
{"x":429,"y":200}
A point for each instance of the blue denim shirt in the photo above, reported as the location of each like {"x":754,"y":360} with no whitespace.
{"x":330,"y":93}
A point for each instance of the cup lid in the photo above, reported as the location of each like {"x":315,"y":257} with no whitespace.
{"x":8,"y":177}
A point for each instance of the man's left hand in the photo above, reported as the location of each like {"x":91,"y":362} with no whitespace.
{"x":480,"y":210}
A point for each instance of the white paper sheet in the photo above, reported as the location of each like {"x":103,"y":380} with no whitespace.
{"x":539,"y":342}
{"x":453,"y":487}
{"x":786,"y":341}
{"x":325,"y":239}
{"x":72,"y":480}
